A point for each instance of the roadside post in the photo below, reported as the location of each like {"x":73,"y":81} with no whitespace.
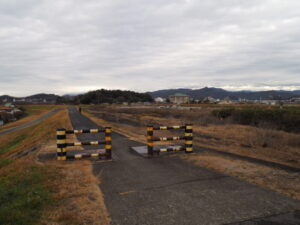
{"x":108,"y":145}
{"x":150,"y":139}
{"x":188,"y":141}
{"x":61,"y":144}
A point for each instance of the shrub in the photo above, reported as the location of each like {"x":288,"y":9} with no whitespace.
{"x":287,"y":118}
{"x":223,"y":113}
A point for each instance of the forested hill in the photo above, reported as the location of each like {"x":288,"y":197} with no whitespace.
{"x":113,"y":96}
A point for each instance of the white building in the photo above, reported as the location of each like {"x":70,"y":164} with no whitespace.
{"x":159,"y":100}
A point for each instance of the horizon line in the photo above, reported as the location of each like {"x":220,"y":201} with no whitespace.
{"x":226,"y":89}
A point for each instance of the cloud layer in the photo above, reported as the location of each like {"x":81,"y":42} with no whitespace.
{"x":68,"y":46}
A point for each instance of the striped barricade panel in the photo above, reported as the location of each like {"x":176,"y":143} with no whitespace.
{"x":174,"y":149}
{"x":168,"y":138}
{"x":85,"y":131}
{"x":82,"y":156}
{"x":188,"y":138}
{"x":86,"y":143}
{"x":168,"y":127}
{"x":62,"y":143}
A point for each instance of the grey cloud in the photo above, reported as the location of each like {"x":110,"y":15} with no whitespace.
{"x":76,"y":45}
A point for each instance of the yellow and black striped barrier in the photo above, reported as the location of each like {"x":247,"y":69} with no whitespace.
{"x":188,"y":139}
{"x":61,"y":140}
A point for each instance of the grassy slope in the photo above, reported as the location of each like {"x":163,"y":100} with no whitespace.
{"x":32,"y":191}
{"x":11,"y":144}
{"x":22,"y":196}
{"x":32,"y":113}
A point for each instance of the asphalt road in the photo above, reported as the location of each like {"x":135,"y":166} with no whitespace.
{"x":168,"y":190}
{"x":29,"y":124}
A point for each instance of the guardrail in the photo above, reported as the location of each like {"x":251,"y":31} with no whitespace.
{"x":61,"y":140}
{"x":188,"y":139}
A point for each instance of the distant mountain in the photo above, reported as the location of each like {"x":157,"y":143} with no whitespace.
{"x":297,"y":92}
{"x":234,"y":95}
{"x":6,"y":98}
{"x":37,"y":98}
{"x":48,"y":97}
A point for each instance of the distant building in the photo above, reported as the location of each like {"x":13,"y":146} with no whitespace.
{"x":179,"y":98}
{"x":9,"y":114}
{"x":159,"y":100}
{"x":269,"y":102}
{"x":209,"y":100}
{"x":226,"y":101}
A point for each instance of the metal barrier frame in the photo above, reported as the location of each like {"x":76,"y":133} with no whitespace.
{"x":188,"y":138}
{"x":61,"y":136}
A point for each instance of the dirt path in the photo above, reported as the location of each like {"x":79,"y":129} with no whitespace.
{"x":168,"y":190}
{"x":29,"y":124}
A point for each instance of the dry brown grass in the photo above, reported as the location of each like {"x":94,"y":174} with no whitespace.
{"x":266,"y":144}
{"x":78,"y":199}
{"x":278,"y":180}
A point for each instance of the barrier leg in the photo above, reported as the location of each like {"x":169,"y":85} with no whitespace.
{"x":188,"y":135}
{"x":61,"y":151}
{"x":108,"y":145}
{"x":150,"y":139}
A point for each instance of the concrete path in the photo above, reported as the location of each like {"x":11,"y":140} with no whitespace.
{"x":29,"y":124}
{"x":168,"y":190}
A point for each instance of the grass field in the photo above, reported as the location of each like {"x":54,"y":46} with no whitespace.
{"x":51,"y":192}
{"x":31,"y":112}
{"x":211,"y":132}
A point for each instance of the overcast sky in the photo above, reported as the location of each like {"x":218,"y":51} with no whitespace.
{"x":72,"y":46}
